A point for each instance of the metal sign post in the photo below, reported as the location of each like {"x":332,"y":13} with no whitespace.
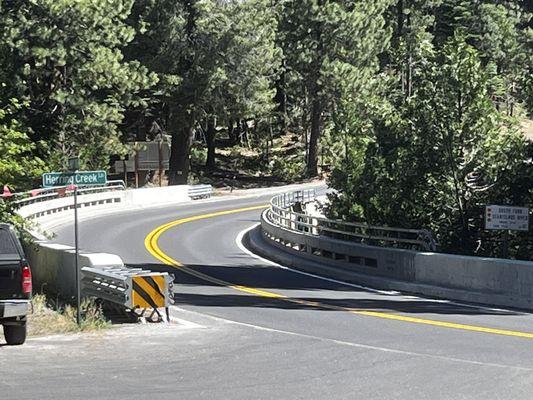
{"x":74,"y":166}
{"x":72,"y":179}
{"x":77,"y":252}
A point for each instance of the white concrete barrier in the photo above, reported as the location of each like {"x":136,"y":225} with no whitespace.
{"x":53,"y":266}
{"x":55,"y":212}
{"x":146,"y":197}
{"x":493,"y":280}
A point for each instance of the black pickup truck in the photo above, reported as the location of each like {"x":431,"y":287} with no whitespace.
{"x":15,"y":286}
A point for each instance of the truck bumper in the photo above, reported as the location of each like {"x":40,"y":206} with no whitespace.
{"x":14,"y":308}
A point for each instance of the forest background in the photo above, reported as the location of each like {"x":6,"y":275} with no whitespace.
{"x":417,"y":112}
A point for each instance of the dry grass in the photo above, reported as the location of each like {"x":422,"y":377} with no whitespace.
{"x":47,"y":319}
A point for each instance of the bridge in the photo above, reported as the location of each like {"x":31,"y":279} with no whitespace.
{"x":245,"y":327}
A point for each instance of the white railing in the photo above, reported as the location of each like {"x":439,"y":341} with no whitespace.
{"x":46,"y":194}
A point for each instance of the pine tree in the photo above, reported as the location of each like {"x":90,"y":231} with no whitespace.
{"x":216,"y":61}
{"x":331,"y":48}
{"x":64,"y":59}
{"x":502,"y":34}
{"x":421,"y":153}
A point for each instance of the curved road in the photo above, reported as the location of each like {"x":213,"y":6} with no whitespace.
{"x":276,"y":333}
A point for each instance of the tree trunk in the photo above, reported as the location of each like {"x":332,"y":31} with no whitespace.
{"x":245,"y":135}
{"x":316,"y":102}
{"x":233,"y":133}
{"x":183,"y":123}
{"x":316,"y":128}
{"x":281,"y":98}
{"x":268,"y":141}
{"x":409,"y":64}
{"x":210,"y":138}
{"x":399,"y":12}
{"x":180,"y":155}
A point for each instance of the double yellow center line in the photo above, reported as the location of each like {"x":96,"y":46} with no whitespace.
{"x":151,"y":243}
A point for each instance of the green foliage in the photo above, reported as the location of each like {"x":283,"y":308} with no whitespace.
{"x":455,"y":73}
{"x":414,"y":103}
{"x":289,"y":167}
{"x":216,"y":60}
{"x":502,"y":33}
{"x":421,"y":155}
{"x":198,"y":154}
{"x":331,"y":50}
{"x":251,"y":62}
{"x":63,"y":58}
{"x":18,"y":165}
{"x":225,"y":61}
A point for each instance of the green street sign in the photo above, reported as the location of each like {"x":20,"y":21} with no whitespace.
{"x":84,"y":178}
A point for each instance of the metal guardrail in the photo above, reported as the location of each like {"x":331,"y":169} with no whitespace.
{"x":287,"y":211}
{"x":135,"y":289}
{"x":46,"y":194}
{"x":200,"y":191}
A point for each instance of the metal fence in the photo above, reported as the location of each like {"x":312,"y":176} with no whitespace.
{"x":287,"y":210}
{"x":200,"y":191}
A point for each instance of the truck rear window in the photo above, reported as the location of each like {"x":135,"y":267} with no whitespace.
{"x":7,"y":246}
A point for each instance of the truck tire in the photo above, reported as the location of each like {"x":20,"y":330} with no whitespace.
{"x":15,"y":334}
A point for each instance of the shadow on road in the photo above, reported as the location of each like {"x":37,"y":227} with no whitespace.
{"x":278,"y":280}
{"x":330,"y":304}
{"x":257,"y":276}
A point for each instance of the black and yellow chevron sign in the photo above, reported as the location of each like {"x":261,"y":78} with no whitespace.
{"x":148,"y":292}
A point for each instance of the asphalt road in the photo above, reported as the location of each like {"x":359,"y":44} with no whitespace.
{"x":274,"y":334}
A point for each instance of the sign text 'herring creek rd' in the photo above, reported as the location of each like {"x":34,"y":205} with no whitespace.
{"x":54,"y":179}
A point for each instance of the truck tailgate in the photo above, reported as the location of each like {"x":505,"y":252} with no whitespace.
{"x":10,"y":276}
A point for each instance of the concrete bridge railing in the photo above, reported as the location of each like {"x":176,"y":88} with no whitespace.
{"x":304,"y":244}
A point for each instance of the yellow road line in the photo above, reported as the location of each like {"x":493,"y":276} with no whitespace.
{"x":151,"y":244}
